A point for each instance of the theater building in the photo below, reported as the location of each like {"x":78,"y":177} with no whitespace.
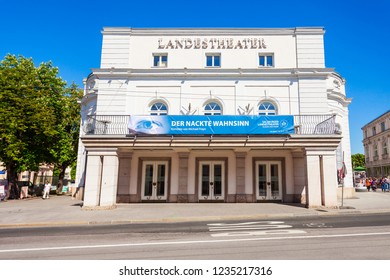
{"x":213,"y":115}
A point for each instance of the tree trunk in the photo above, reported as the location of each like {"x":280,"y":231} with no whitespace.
{"x":12,"y":174}
{"x":12,"y":177}
{"x":61,"y":179}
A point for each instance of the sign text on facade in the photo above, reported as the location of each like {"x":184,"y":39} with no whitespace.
{"x":212,"y":43}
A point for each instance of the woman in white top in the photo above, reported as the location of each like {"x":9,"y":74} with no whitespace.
{"x":46,"y":190}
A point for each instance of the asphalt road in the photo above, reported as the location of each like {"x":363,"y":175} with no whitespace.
{"x":351,"y":237}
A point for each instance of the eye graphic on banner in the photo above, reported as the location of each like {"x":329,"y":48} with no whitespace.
{"x":210,"y":125}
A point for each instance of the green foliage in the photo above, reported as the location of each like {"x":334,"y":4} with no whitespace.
{"x":38,"y":116}
{"x":358,"y":160}
{"x":65,"y":142}
{"x":73,"y":170}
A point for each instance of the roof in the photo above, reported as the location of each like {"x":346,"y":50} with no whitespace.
{"x":385,"y":113}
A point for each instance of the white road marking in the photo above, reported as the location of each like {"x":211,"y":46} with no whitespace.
{"x":251,"y":229}
{"x":262,"y":225}
{"x":258,"y":232}
{"x":193,"y":242}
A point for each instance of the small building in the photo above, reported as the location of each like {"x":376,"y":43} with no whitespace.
{"x":376,"y":141}
{"x":214,"y":115}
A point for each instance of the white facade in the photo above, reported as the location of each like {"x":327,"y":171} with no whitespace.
{"x":230,"y":72}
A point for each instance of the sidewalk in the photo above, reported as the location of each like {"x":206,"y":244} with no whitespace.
{"x":63,"y":210}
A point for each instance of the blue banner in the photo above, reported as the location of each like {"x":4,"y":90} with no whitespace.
{"x":211,"y":125}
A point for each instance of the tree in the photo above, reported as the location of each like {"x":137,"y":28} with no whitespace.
{"x":64,"y":146}
{"x":358,"y":160}
{"x":30,"y":105}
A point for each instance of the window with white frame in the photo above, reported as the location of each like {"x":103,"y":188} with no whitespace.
{"x":266,"y":60}
{"x":213,"y":60}
{"x":267,"y":108}
{"x":375,"y":149}
{"x":160,"y":60}
{"x":212,"y":108}
{"x":158,"y":109}
{"x":385,"y":147}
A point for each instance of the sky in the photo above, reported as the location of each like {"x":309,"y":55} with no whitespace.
{"x":68,"y":33}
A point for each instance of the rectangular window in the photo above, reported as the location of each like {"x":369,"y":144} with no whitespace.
{"x":266,"y":60}
{"x":213,"y":60}
{"x":375,"y":150}
{"x":383,"y":128}
{"x":160,"y":60}
{"x":373,"y":131}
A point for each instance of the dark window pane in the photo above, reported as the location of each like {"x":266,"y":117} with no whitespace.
{"x":209,"y":60}
{"x":156,"y":60}
{"x":269,"y":61}
{"x":217,"y":60}
{"x":261,"y":60}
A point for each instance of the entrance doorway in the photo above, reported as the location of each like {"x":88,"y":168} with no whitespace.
{"x":268,"y":180}
{"x":154,"y":180}
{"x":211,"y":180}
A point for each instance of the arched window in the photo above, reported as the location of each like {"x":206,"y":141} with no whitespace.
{"x":212,"y":108}
{"x":158,"y":109}
{"x":266,"y":108}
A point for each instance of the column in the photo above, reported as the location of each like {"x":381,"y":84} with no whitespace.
{"x":124,"y":194}
{"x":330,"y":179}
{"x":300,"y":182}
{"x":101,"y":178}
{"x":183,"y":177}
{"x":92,"y":180}
{"x":109,"y":183}
{"x":240,"y":177}
{"x":313,"y":188}
{"x":321,"y":178}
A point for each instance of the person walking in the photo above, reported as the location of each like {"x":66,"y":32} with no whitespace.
{"x":368,"y":183}
{"x":46,"y":190}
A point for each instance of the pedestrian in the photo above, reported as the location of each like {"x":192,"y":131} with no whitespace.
{"x":46,"y":190}
{"x":374,"y":184}
{"x":387,"y":184}
{"x":368,"y":183}
{"x":383,"y":184}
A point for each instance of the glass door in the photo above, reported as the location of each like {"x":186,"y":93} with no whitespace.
{"x":154,"y":180}
{"x":269,"y":180}
{"x":211,"y":180}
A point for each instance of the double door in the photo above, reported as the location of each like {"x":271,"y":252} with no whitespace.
{"x":269,"y":180}
{"x":154,"y":180}
{"x":211,"y":180}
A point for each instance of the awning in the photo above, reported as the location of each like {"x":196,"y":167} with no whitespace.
{"x":359,"y":168}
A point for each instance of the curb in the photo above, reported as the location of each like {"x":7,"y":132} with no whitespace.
{"x":195,"y":219}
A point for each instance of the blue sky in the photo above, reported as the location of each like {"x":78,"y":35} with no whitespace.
{"x":357,"y":40}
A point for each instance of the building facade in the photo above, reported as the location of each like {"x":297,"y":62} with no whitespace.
{"x":213,"y":115}
{"x":376,"y":141}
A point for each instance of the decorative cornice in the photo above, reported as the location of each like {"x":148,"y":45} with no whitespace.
{"x":109,"y":73}
{"x":212,"y":31}
{"x":339,"y":97}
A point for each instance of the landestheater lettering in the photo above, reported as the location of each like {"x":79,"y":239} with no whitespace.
{"x":213,"y":43}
